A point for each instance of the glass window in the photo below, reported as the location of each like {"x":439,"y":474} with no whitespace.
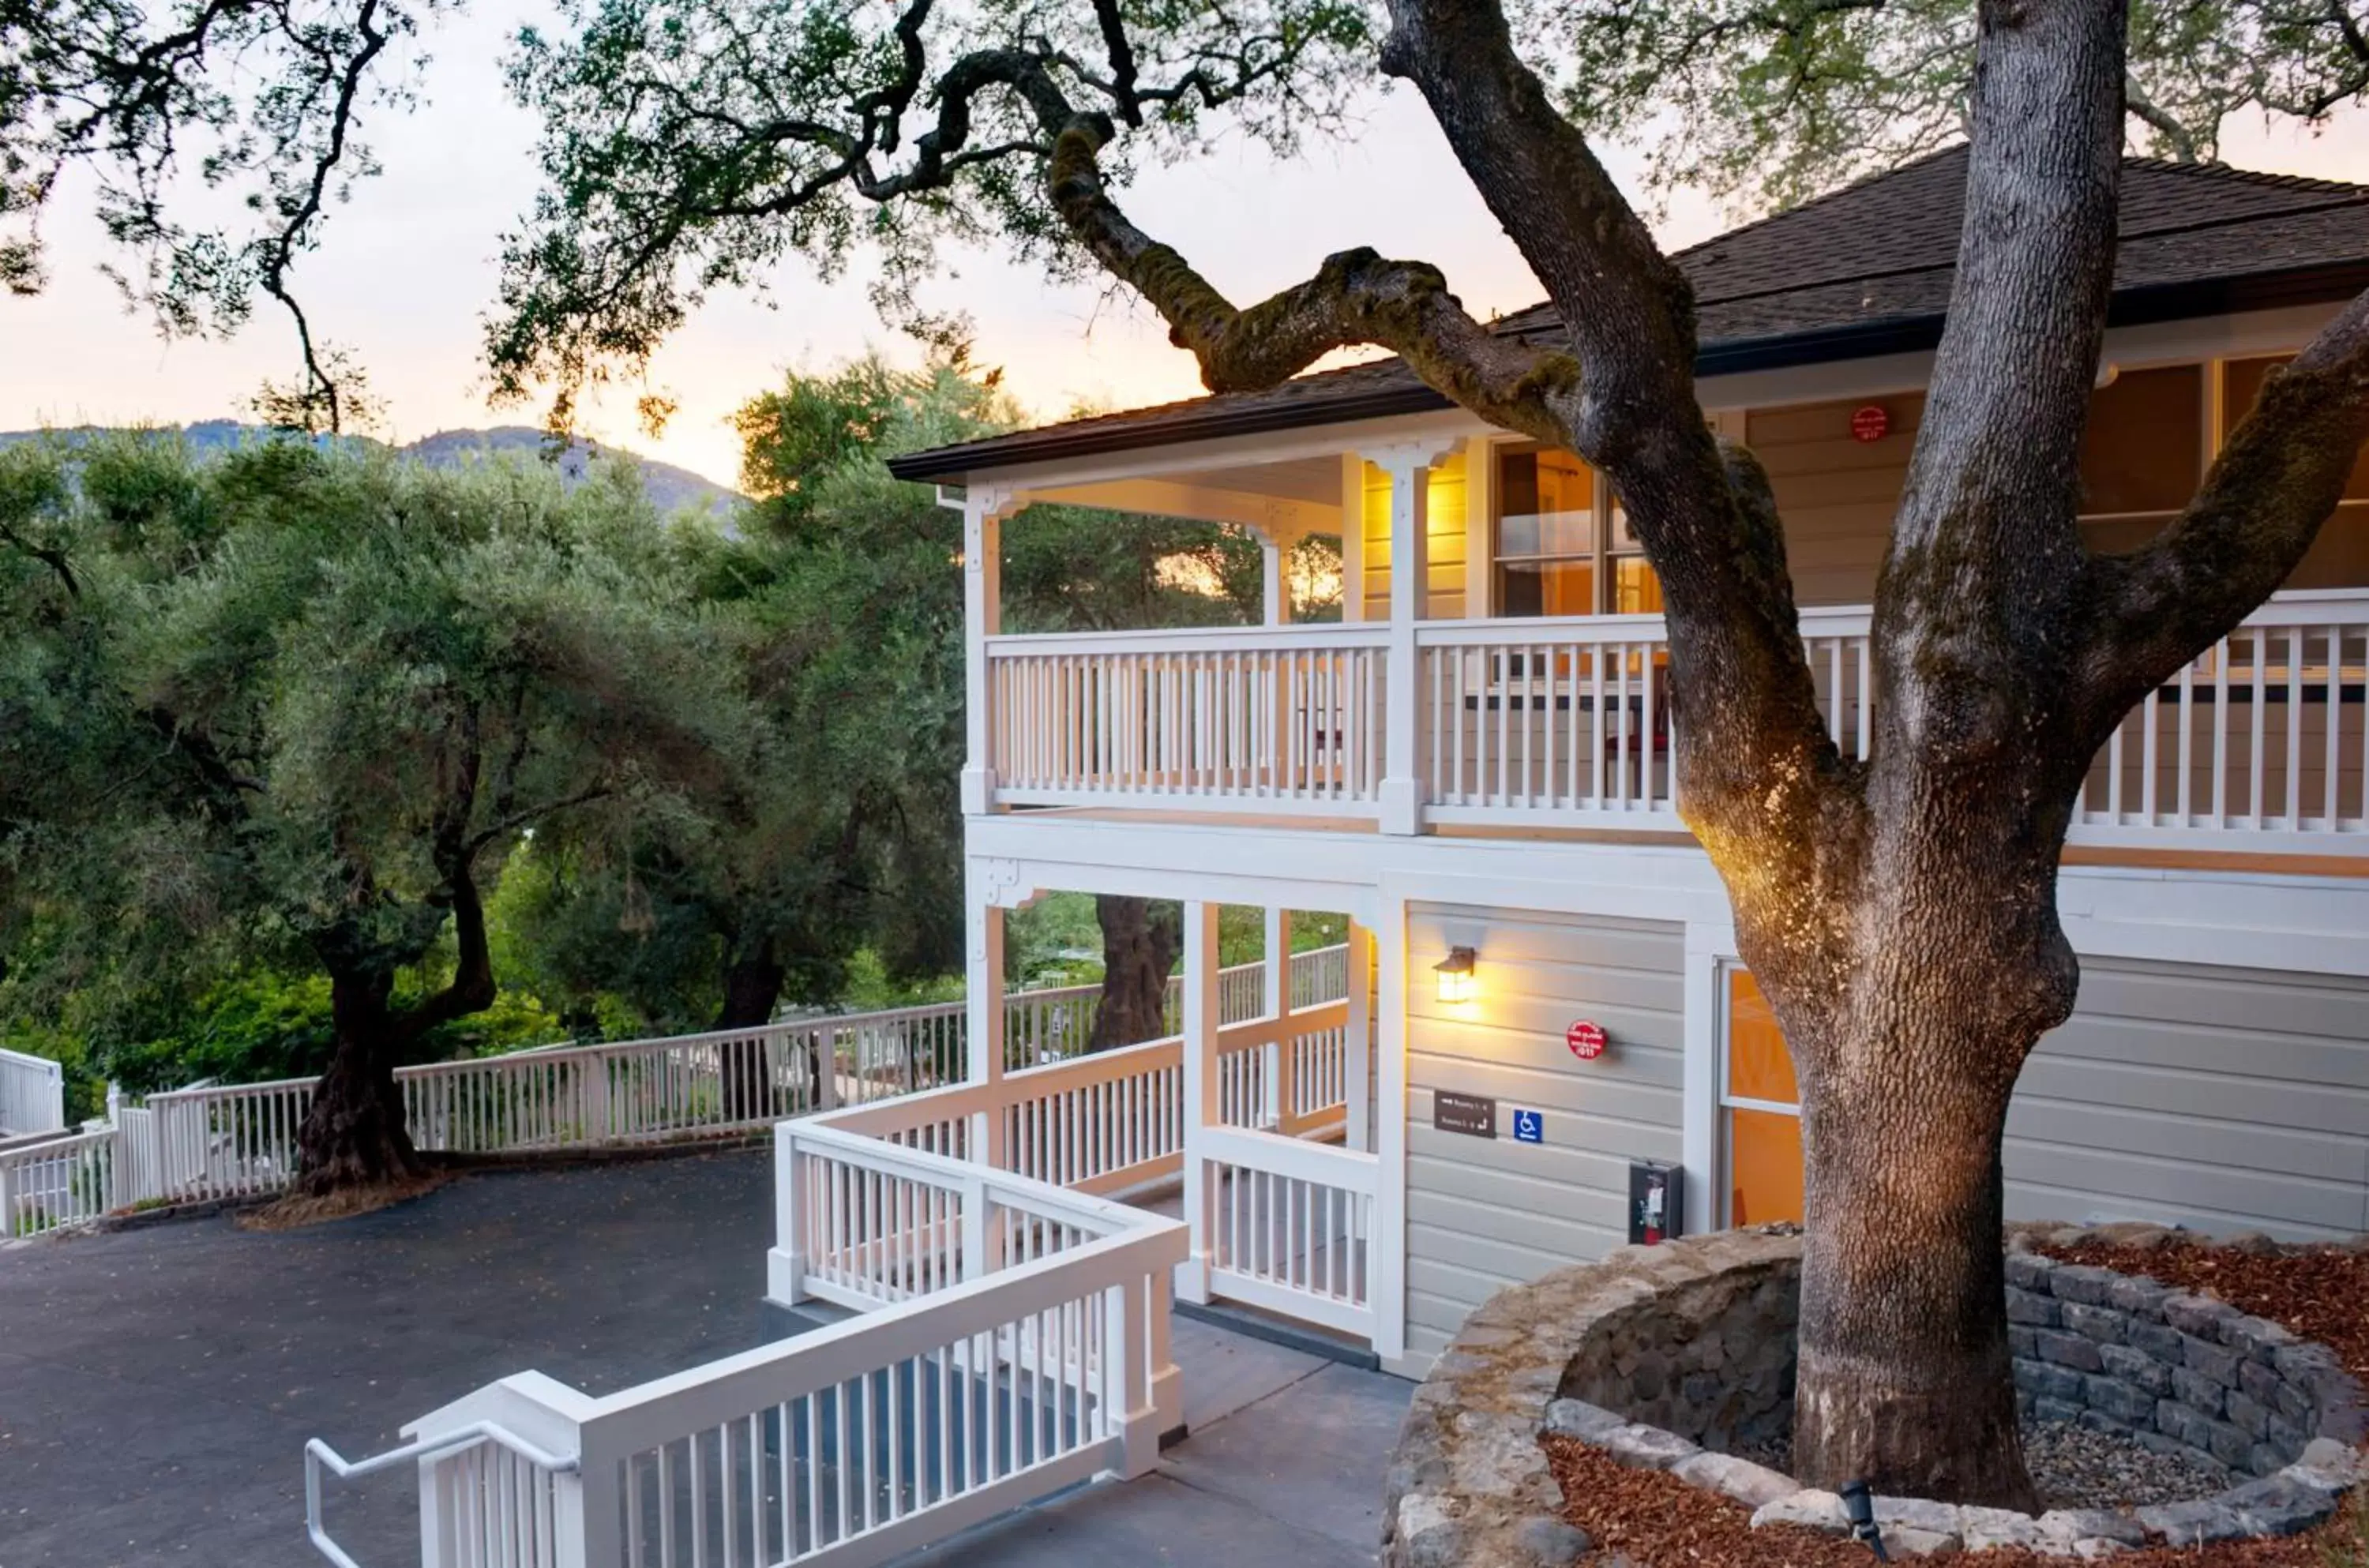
{"x":1563,"y":547}
{"x":1760,"y":1118}
{"x":2143,"y":450}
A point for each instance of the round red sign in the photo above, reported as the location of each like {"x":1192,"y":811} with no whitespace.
{"x":1870,"y":423}
{"x":1586,"y":1039}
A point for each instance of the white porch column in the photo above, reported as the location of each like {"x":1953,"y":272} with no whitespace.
{"x":1280,"y":1067}
{"x":1358,"y":1064}
{"x":983,"y":1033}
{"x":984,"y":510}
{"x":1202,"y":1017}
{"x":1409,"y":464}
{"x":1387,"y":1267}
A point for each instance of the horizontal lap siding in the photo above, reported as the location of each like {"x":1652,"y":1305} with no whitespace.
{"x":2223,"y":1099}
{"x":1835,"y":494}
{"x":1483,"y":1214}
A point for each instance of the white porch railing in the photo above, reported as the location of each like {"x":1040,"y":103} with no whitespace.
{"x":2261,"y":744}
{"x":32,"y":1094}
{"x":1288,"y":1225}
{"x":1287,"y":717}
{"x":240,"y":1141}
{"x":1011,"y":1340}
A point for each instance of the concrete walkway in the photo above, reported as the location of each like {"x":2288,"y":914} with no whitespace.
{"x":158,"y":1386}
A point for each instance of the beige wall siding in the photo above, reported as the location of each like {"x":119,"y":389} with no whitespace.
{"x":1446,"y":505}
{"x":1837,"y":494}
{"x":2223,"y":1099}
{"x":1483,"y":1214}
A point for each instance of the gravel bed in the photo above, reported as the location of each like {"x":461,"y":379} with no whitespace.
{"x":2074,"y":1468}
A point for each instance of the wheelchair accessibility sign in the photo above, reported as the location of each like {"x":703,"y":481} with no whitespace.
{"x":1530,"y":1127}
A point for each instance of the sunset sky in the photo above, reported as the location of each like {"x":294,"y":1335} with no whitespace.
{"x":407,"y":270}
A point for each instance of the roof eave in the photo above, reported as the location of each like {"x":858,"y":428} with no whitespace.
{"x":2320,"y":284}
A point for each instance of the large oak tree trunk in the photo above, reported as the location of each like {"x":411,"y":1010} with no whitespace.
{"x":1943,"y":964}
{"x":354,"y":1136}
{"x":1140,"y":943}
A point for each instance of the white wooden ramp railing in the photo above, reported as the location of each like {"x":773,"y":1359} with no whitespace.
{"x":1011,"y":1340}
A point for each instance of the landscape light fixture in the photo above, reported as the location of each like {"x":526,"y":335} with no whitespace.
{"x":1859,"y":1508}
{"x":1455,"y":973}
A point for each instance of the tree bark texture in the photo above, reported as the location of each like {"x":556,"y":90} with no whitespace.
{"x":354,"y":1133}
{"x":1140,"y":942}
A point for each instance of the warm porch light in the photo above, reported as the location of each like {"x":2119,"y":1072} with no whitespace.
{"x":1455,"y":973}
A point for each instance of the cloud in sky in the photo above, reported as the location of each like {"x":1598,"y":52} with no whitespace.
{"x":407,"y":270}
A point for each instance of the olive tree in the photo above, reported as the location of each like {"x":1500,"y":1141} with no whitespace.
{"x":339,"y":698}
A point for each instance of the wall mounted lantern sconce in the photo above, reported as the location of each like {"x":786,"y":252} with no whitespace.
{"x":1455,"y":973}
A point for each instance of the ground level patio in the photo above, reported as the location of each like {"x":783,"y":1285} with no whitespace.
{"x":157,"y":1385}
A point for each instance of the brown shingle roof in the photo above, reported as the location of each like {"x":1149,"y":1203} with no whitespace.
{"x":1864,"y":270}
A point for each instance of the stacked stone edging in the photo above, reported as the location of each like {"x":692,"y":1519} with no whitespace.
{"x":2177,"y":1372}
{"x":1469,"y":1485}
{"x":1681,"y":1333}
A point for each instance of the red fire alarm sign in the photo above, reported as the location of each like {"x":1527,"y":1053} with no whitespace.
{"x":1586,"y":1039}
{"x":1870,"y":423}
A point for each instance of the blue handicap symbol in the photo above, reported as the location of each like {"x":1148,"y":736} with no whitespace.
{"x":1530,"y":1127}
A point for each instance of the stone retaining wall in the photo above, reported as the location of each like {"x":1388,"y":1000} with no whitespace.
{"x":1662,"y":1355}
{"x":2179,"y":1373}
{"x":1712,"y":1361}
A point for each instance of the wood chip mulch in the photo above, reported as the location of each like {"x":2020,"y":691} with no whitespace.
{"x":1658,"y":1521}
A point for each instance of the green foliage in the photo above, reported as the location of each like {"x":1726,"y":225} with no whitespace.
{"x":275,"y":721}
{"x":1768,"y":105}
{"x":836,"y":834}
{"x":689,"y":144}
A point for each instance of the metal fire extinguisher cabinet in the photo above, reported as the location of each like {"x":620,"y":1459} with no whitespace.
{"x":1657,"y":1201}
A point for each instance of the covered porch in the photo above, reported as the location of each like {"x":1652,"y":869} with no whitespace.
{"x":1499,"y":663}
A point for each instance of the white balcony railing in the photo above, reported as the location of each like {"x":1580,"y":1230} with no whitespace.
{"x":1289,"y":718}
{"x":2261,"y":744}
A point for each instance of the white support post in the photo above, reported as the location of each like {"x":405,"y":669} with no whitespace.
{"x":1388,"y":1243}
{"x":1202,"y":1017}
{"x":1353,"y":536}
{"x":1278,"y":585}
{"x":1358,"y":1057}
{"x":987,"y":1015}
{"x":1280,"y":1097}
{"x":785,"y":1265}
{"x":984,"y":510}
{"x":1409,"y":464}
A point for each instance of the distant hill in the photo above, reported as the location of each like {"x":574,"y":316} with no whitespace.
{"x":668,"y":487}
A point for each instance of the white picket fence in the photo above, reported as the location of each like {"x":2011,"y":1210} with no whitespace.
{"x":240,"y":1141}
{"x":32,"y":1094}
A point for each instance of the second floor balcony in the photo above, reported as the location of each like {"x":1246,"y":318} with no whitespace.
{"x":1553,"y":724}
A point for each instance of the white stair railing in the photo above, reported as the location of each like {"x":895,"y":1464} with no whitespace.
{"x":1011,"y":1340}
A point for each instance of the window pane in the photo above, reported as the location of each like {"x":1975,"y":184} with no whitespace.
{"x":1636,"y":590}
{"x":1764,"y":1168}
{"x":1546,"y":588}
{"x":1545,"y":503}
{"x":1758,"y":1065}
{"x":2143,"y":450}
